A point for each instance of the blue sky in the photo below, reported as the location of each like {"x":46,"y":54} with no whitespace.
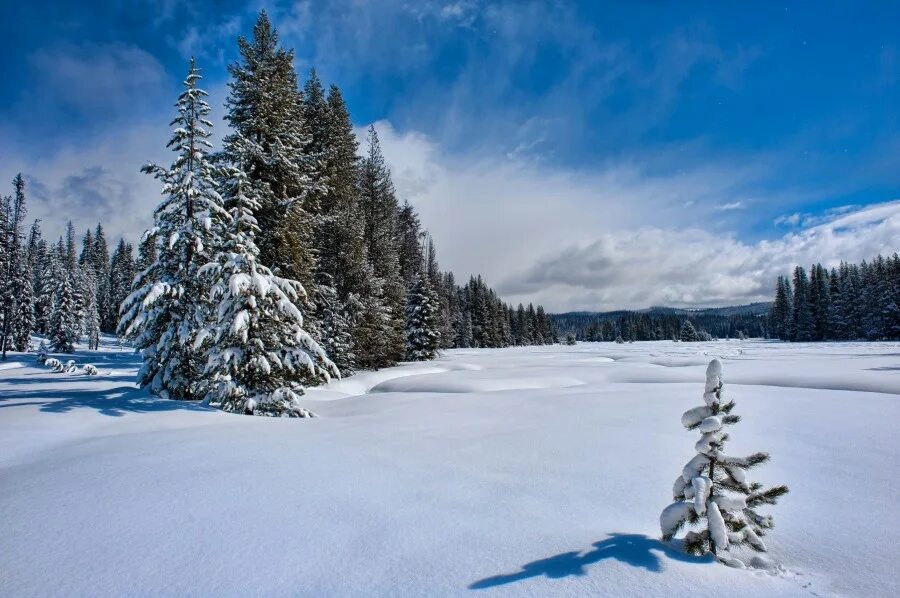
{"x":538,"y":139}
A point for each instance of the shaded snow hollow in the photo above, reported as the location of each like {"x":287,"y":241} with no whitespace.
{"x":515,"y":472}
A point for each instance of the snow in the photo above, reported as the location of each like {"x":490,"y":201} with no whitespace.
{"x":453,"y":479}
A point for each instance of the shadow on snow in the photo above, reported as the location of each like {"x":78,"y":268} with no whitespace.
{"x":114,"y":402}
{"x":632,"y":549}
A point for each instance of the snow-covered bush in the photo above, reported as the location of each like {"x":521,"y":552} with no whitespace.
{"x":70,"y":367}
{"x":89,"y":370}
{"x":570,"y":339}
{"x":712,"y":494}
{"x":42,"y":351}
{"x":620,"y":340}
{"x":54,"y":364}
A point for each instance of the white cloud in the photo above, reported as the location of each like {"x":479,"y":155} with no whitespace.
{"x":614,"y":237}
{"x":693,"y":267}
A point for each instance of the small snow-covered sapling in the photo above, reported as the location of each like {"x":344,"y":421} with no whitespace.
{"x":712,"y":493}
{"x":89,"y":370}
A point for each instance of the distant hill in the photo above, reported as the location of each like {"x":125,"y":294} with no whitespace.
{"x":662,"y":322}
{"x":752,"y":309}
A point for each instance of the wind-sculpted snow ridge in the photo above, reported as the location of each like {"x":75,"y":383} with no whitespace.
{"x":550,"y":491}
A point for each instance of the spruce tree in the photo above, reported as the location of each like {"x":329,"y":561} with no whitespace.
{"x":688,"y":333}
{"x":168,"y":306}
{"x":802,"y":314}
{"x":265,"y":109}
{"x":16,"y":275}
{"x":259,"y":350}
{"x":712,"y":493}
{"x":64,"y":322}
{"x":379,"y":206}
{"x":121,"y":274}
{"x":334,"y":326}
{"x":24,"y":316}
{"x":422,"y":338}
{"x":109,"y":313}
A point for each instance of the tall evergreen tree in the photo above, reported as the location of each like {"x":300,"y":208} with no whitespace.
{"x":64,"y":321}
{"x":802,"y":315}
{"x":265,"y":108}
{"x":16,"y":276}
{"x":121,"y":275}
{"x":167,"y":308}
{"x":422,"y":327}
{"x":260,"y":350}
{"x":379,"y":206}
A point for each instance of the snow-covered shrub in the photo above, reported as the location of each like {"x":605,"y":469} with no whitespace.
{"x":89,"y":370}
{"x":620,"y":340}
{"x":54,"y":364}
{"x":570,"y":339}
{"x":70,"y":367}
{"x":42,"y":351}
{"x":712,"y":494}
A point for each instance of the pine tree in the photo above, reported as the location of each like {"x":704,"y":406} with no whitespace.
{"x":109,"y":313}
{"x":16,"y":274}
{"x":168,"y":306}
{"x":44,"y":286}
{"x":147,"y":251}
{"x":688,"y":333}
{"x":121,"y":275}
{"x":712,"y":493}
{"x":265,"y":109}
{"x":24,"y":316}
{"x":780,"y":315}
{"x":64,"y":322}
{"x":91,"y":323}
{"x":422,"y":338}
{"x":335,"y":326}
{"x":379,"y":206}
{"x":259,"y":349}
{"x":802,"y":316}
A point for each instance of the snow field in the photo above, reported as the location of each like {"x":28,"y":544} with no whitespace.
{"x":516,"y":472}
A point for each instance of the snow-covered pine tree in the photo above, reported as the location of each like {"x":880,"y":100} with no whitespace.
{"x":688,"y":333}
{"x":265,"y":107}
{"x":147,"y":252}
{"x":121,"y":274}
{"x":379,"y":207}
{"x":24,"y":317}
{"x":109,"y":313}
{"x":168,"y":306}
{"x":334,"y":326}
{"x":16,"y":275}
{"x":422,"y":338}
{"x":65,"y":327}
{"x":91,"y":323}
{"x":712,"y":493}
{"x":259,"y":349}
{"x":42,"y":278}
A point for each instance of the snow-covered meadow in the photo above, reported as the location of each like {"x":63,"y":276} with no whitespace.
{"x":532,"y":471}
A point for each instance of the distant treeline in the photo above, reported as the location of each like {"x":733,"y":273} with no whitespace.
{"x":851,"y":302}
{"x":654,"y":325}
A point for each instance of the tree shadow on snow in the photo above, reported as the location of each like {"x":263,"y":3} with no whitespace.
{"x":114,"y":402}
{"x":636,"y":550}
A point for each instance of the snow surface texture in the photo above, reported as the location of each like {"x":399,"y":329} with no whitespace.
{"x":538,"y":471}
